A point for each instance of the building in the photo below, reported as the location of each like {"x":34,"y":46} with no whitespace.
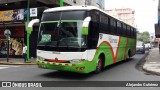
{"x":153,"y":40}
{"x":101,"y":4}
{"x":85,"y":2}
{"x":157,"y":26}
{"x":13,"y":16}
{"x":126,"y":15}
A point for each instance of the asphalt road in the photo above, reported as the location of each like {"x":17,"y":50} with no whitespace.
{"x":123,"y":71}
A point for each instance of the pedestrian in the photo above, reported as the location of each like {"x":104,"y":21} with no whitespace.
{"x":24,"y":52}
{"x":159,"y":48}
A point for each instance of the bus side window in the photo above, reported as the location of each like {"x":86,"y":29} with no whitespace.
{"x":124,"y":30}
{"x":93,"y":31}
{"x":113,"y":26}
{"x":104,"y":27}
{"x":119,"y":28}
{"x":132,"y":32}
{"x":94,"y":22}
{"x":128,"y":31}
{"x":135,"y":33}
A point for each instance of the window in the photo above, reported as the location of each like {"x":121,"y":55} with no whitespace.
{"x":119,"y":26}
{"x":66,"y":15}
{"x":128,"y":31}
{"x":94,"y":17}
{"x":104,"y":19}
{"x":113,"y":26}
{"x":104,"y":27}
{"x":93,"y":30}
{"x":112,"y":22}
{"x":135,"y":33}
{"x":124,"y":29}
{"x":132,"y":32}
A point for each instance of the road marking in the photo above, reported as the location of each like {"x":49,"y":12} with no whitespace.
{"x":3,"y":67}
{"x":7,"y":66}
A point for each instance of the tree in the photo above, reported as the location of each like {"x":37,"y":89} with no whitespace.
{"x":144,"y":36}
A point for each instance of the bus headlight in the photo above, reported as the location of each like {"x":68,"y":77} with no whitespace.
{"x":76,"y":61}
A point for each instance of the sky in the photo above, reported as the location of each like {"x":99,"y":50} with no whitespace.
{"x":146,"y":12}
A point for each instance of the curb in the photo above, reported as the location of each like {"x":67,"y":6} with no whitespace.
{"x":141,"y":62}
{"x":1,"y":63}
{"x":151,"y":71}
{"x":147,"y":70}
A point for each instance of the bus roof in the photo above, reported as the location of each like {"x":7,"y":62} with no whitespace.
{"x":66,"y":8}
{"x":70,"y":8}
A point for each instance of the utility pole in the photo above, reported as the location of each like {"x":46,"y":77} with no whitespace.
{"x":61,"y":3}
{"x":28,"y":31}
{"x":85,"y":2}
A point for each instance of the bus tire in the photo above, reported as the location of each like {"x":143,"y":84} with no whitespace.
{"x":129,"y":55}
{"x":99,"y":65}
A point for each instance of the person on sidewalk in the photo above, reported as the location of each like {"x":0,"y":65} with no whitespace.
{"x":24,"y":52}
{"x":159,"y":48}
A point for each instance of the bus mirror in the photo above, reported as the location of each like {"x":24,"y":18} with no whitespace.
{"x":30,"y":25}
{"x":85,"y":25}
{"x":32,"y":22}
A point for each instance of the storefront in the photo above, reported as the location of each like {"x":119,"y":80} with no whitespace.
{"x":15,"y":43}
{"x":15,"y":21}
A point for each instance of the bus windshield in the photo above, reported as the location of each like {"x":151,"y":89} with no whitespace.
{"x":61,"y":31}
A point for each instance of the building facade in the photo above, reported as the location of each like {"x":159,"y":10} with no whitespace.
{"x":126,"y":15}
{"x":157,"y":26}
{"x":101,"y":4}
{"x":13,"y":16}
{"x":84,"y":2}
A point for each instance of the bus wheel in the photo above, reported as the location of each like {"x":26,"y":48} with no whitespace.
{"x":99,"y":65}
{"x":129,"y":55}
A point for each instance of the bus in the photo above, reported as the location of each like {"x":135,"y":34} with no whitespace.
{"x":82,"y":39}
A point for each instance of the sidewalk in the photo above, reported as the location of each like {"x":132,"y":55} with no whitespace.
{"x":152,"y":63}
{"x":16,"y":61}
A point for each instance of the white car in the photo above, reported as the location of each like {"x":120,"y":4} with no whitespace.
{"x":140,"y":47}
{"x":147,"y":46}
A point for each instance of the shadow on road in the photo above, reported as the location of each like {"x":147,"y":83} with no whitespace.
{"x":116,"y":64}
{"x":78,"y":76}
{"x":67,"y":75}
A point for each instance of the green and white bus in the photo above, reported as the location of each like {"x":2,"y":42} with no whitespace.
{"x":82,"y":39}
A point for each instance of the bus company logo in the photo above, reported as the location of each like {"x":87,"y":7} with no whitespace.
{"x":6,"y":84}
{"x":112,"y":40}
{"x":100,"y":36}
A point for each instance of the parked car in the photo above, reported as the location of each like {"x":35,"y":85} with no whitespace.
{"x":140,"y":47}
{"x":147,"y":46}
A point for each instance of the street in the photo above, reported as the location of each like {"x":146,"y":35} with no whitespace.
{"x":64,"y":34}
{"x":123,"y":71}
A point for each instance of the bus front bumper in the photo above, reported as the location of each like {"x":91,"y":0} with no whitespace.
{"x":83,"y":67}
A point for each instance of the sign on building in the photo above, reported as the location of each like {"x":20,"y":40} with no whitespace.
{"x":33,"y":12}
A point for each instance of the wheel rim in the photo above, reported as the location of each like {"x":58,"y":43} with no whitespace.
{"x":99,"y":65}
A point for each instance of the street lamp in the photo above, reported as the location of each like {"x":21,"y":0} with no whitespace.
{"x":7,"y":33}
